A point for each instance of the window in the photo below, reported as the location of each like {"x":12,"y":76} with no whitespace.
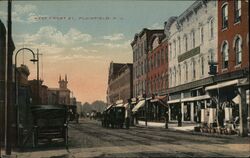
{"x":179,"y":74}
{"x":162,"y":56}
{"x":193,"y":39}
{"x":174,"y":76}
{"x":225,"y":56}
{"x":166,"y":55}
{"x":186,"y":43}
{"x":238,"y":51}
{"x":237,"y":10}
{"x":179,"y":45}
{"x":225,"y":16}
{"x":174,"y":48}
{"x":194,"y":71}
{"x":170,"y":51}
{"x":158,"y":59}
{"x":212,"y":28}
{"x":202,"y":66}
{"x":202,"y":35}
{"x":186,"y":71}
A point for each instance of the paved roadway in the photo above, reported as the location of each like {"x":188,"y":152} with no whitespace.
{"x":89,"y":139}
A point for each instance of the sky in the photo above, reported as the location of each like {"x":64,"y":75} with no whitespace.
{"x":80,"y":38}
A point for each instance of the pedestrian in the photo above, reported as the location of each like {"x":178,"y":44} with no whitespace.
{"x":166,"y":119}
{"x":179,"y":116}
{"x":127,"y":116}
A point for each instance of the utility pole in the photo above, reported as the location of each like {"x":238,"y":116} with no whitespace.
{"x":38,"y":81}
{"x":8,"y":84}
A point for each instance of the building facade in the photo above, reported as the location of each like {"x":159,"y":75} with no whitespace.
{"x":119,"y":82}
{"x":192,"y":44}
{"x":231,"y":86}
{"x":59,"y":95}
{"x":140,"y":47}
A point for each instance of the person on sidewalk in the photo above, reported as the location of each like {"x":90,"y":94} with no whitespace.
{"x":179,"y":119}
{"x":166,"y":119}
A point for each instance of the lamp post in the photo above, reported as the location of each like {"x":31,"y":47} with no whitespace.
{"x":16,"y":87}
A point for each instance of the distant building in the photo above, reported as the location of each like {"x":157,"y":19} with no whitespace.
{"x":34,"y":90}
{"x":119,"y":82}
{"x":59,"y":95}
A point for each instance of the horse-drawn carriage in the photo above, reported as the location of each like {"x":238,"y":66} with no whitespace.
{"x":114,"y":117}
{"x":50,"y":121}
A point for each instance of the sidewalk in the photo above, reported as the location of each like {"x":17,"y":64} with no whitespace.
{"x":185,"y":128}
{"x":188,"y":127}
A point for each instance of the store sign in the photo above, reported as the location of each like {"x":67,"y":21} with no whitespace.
{"x":189,"y":54}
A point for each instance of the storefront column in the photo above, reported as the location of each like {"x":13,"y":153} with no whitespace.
{"x":169,"y":113}
{"x":192,"y":111}
{"x":243,"y":112}
{"x":182,"y":111}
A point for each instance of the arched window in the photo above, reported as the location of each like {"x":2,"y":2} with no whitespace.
{"x":225,"y":55}
{"x":186,"y":66}
{"x":194,"y":70}
{"x":212,"y":28}
{"x":202,"y":66}
{"x":238,"y":51}
{"x":225,"y":16}
{"x":170,"y":50}
{"x":201,"y":35}
{"x":237,"y":10}
{"x":179,"y":67}
{"x":193,"y":39}
{"x":186,"y":42}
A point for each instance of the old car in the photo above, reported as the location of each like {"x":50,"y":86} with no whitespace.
{"x":50,"y":122}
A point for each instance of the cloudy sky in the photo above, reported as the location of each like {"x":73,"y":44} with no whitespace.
{"x":80,"y":38}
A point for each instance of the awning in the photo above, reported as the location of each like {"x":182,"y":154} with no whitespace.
{"x":119,"y":105}
{"x":202,"y":97}
{"x":174,"y":101}
{"x":236,"y":100}
{"x":223,"y":84}
{"x":157,"y":98}
{"x":138,"y":105}
{"x":126,"y":105}
{"x":109,"y":107}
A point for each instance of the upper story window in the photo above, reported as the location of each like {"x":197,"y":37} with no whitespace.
{"x":238,"y":50}
{"x":225,"y":16}
{"x":193,"y":39}
{"x":202,"y":66}
{"x":201,"y":35}
{"x":170,"y":50}
{"x":237,"y":10}
{"x":179,"y":45}
{"x":186,"y":67}
{"x":162,"y":56}
{"x":212,"y":28}
{"x":225,"y":55}
{"x":194,"y":71}
{"x":174,"y":49}
{"x":166,"y":54}
{"x":186,"y":42}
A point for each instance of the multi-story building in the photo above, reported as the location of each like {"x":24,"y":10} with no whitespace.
{"x":59,"y":95}
{"x":120,"y":82}
{"x":140,"y":49}
{"x":157,"y":65}
{"x":192,"y":43}
{"x":233,"y":61}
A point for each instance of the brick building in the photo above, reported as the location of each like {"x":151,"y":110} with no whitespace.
{"x":140,"y":47}
{"x":120,"y":82}
{"x":231,"y":87}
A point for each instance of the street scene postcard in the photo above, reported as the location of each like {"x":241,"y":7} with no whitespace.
{"x":124,"y":78}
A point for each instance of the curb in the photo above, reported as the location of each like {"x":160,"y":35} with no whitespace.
{"x":191,"y":132}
